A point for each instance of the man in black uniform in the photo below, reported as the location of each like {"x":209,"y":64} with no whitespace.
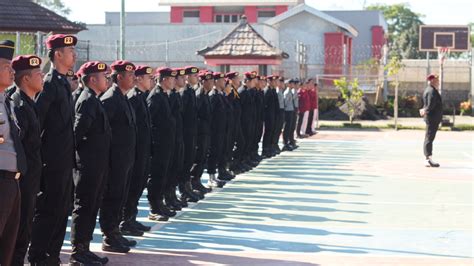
{"x":238,"y":140}
{"x":13,"y":159}
{"x":122,"y":155}
{"x":56,"y":114}
{"x":271,"y":109}
{"x":432,"y":112}
{"x":218,"y":130}
{"x":248,"y":115}
{"x":80,"y":87}
{"x":93,"y":136}
{"x":204,"y":125}
{"x":29,"y":81}
{"x":177,"y":161}
{"x":188,"y":96}
{"x":226,"y":160}
{"x":163,"y":128}
{"x":260,"y":110}
{"x":141,"y":167}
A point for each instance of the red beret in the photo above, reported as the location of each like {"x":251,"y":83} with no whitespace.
{"x":25,"y":62}
{"x":272,"y":77}
{"x":191,"y":70}
{"x":180,"y":71}
{"x":231,"y":75}
{"x":60,"y":40}
{"x":431,"y":77}
{"x":206,"y":76}
{"x":143,"y":70}
{"x":122,"y":65}
{"x":91,"y":67}
{"x":250,"y":75}
{"x":218,"y":75}
{"x":166,"y":72}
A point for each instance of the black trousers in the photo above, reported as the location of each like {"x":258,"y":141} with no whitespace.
{"x":430,"y":134}
{"x":300,"y":123}
{"x":138,"y":181}
{"x":228,"y":149}
{"x":52,"y":210}
{"x":248,"y":129}
{"x":203,"y":142}
{"x":116,"y":191}
{"x":293,"y":127}
{"x":240,"y":143}
{"x":287,"y":131}
{"x":10,"y":201}
{"x":29,"y":187}
{"x":159,"y":171}
{"x":176,"y":167}
{"x":309,"y":125}
{"x":216,"y":151}
{"x":89,"y":183}
{"x":269,"y":132}
{"x":280,"y":120}
{"x":258,"y":135}
{"x":189,"y":141}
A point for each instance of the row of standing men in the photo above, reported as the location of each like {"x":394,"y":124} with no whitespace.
{"x":125,"y":129}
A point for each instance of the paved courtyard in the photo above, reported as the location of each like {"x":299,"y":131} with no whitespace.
{"x":342,"y":198}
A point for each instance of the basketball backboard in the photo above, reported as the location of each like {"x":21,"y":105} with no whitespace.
{"x":456,"y":38}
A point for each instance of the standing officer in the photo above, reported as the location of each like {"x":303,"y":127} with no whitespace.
{"x":141,"y":167}
{"x":271,"y":108}
{"x":294,"y":90}
{"x":93,"y":135}
{"x":163,"y":128}
{"x":248,"y":116}
{"x":122,"y":155}
{"x":432,"y":112}
{"x":204,"y":125}
{"x":56,"y":114}
{"x":218,"y":131}
{"x":29,"y":81}
{"x":226,"y":160}
{"x":237,"y":165}
{"x":13,"y":162}
{"x":259,"y":116}
{"x":313,"y":103}
{"x":280,"y":118}
{"x":188,"y":97}
{"x":289,"y":116}
{"x":176,"y":167}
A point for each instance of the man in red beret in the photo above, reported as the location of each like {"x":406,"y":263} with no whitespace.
{"x":163,"y":126}
{"x":191,"y":188}
{"x":29,"y":81}
{"x":271,"y":110}
{"x":248,"y":120}
{"x":141,"y":167}
{"x":218,"y":130}
{"x":93,"y":136}
{"x":259,"y":114}
{"x":176,"y":166}
{"x":122,"y":121}
{"x":55,"y":109}
{"x":432,"y":112}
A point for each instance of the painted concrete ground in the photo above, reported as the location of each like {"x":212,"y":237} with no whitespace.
{"x":343,"y":198}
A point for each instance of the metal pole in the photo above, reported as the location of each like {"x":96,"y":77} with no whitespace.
{"x":385,"y":73}
{"x":17,"y":44}
{"x":395,"y":104}
{"x":166,"y":54}
{"x":428,"y":66}
{"x":122,"y":30}
{"x":441,"y":76}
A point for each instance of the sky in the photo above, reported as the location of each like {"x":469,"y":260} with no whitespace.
{"x":436,"y":12}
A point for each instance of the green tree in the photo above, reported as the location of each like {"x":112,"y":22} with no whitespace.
{"x":472,"y":33}
{"x":351,"y":94}
{"x":403,"y":29}
{"x":55,"y":5}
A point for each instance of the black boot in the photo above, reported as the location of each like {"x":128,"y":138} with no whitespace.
{"x":111,"y":243}
{"x":172,"y":201}
{"x":156,"y":213}
{"x":189,"y":194}
{"x":125,"y":241}
{"x":126,"y":228}
{"x":94,"y":256}
{"x":164,"y":210}
{"x":140,"y":226}
{"x":80,"y":257}
{"x":197,"y":185}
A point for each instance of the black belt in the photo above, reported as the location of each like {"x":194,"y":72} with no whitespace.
{"x":9,"y":175}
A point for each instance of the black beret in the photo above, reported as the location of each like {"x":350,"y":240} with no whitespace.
{"x":166,"y":72}
{"x":7,"y":48}
{"x":206,"y":76}
{"x":191,"y":70}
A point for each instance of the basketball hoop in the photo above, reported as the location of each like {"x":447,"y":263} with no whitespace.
{"x":443,"y":54}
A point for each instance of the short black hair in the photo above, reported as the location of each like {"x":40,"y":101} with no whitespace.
{"x":20,"y":74}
